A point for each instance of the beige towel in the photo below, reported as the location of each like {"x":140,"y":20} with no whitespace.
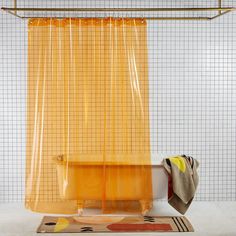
{"x":183,"y":181}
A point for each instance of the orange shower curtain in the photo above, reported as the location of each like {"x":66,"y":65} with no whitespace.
{"x":88,"y":115}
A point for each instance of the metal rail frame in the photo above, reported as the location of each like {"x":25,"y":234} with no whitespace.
{"x":221,"y":11}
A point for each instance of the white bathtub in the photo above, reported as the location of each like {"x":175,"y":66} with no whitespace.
{"x":159,"y":182}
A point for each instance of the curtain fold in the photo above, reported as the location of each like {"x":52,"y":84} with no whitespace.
{"x":88,"y":141}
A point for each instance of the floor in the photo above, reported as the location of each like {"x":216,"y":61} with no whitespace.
{"x":208,"y":219}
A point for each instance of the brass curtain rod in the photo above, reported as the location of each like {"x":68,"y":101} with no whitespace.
{"x":221,"y":11}
{"x":119,"y":9}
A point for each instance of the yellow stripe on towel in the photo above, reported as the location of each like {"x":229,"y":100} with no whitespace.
{"x":179,"y":162}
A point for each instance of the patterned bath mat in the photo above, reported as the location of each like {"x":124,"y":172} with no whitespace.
{"x":82,"y":224}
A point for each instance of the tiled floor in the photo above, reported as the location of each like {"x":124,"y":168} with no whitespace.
{"x":208,"y":218}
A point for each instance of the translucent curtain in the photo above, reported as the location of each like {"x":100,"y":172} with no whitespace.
{"x":88,"y":116}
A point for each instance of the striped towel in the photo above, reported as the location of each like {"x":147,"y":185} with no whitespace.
{"x":183,"y":181}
